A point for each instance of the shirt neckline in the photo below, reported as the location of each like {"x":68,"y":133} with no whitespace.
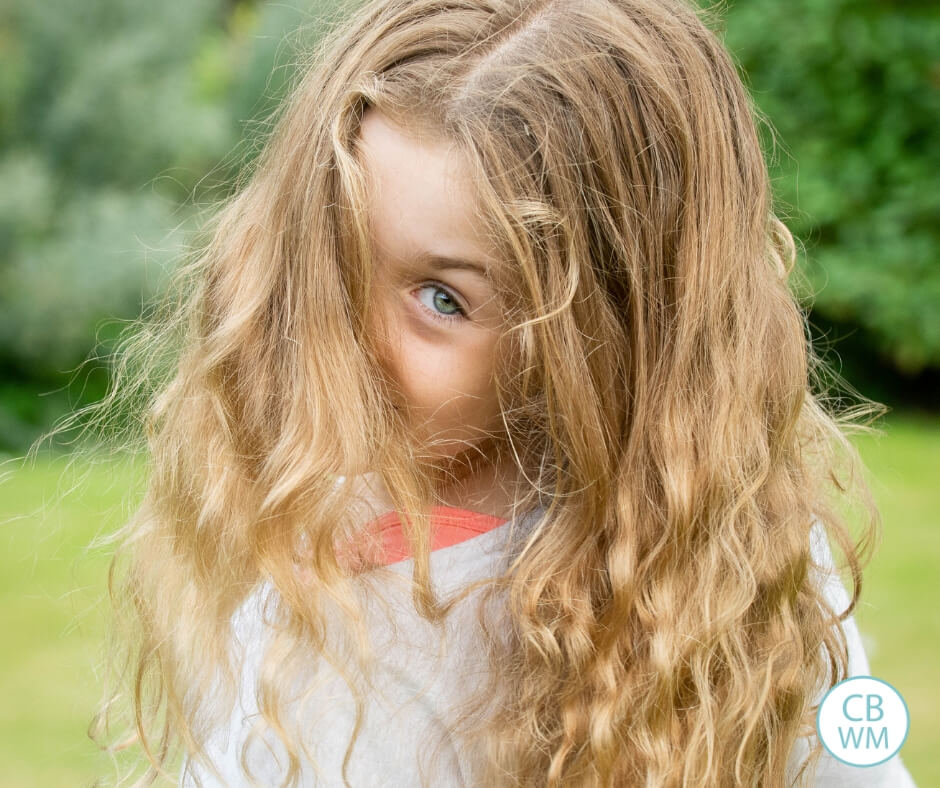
{"x":450,"y":525}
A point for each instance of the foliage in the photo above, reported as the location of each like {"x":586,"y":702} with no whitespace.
{"x":853,"y":91}
{"x":120,"y":120}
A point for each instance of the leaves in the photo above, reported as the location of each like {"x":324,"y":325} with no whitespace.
{"x":853,"y":92}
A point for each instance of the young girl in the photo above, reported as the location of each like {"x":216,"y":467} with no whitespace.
{"x":491,"y":455}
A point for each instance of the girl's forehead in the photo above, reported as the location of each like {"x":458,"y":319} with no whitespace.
{"x":421,"y":200}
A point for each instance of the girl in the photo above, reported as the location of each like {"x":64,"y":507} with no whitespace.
{"x":491,"y":455}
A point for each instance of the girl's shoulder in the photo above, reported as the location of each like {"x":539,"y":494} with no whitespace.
{"x":421,"y":677}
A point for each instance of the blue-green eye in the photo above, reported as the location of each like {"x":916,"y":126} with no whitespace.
{"x":442,"y":305}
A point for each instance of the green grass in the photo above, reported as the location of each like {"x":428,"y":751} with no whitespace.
{"x":52,"y":612}
{"x":52,"y":615}
{"x":897,"y":616}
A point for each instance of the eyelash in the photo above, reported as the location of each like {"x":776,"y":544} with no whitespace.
{"x":457,"y":316}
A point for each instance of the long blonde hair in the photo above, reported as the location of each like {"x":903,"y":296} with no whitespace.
{"x":662,"y":627}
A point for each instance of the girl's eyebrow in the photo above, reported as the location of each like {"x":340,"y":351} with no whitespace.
{"x":443,"y":262}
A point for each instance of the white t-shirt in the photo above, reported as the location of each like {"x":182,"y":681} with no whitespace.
{"x":421,"y":690}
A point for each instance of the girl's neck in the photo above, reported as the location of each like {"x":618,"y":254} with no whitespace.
{"x":484,"y":486}
{"x":480,"y":484}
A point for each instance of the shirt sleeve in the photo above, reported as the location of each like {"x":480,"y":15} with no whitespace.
{"x":222,"y":748}
{"x":400,"y":722}
{"x":831,"y":772}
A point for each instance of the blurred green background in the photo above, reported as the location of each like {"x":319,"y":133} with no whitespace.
{"x":122,"y":120}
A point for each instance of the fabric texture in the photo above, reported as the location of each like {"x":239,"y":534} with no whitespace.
{"x":421,"y":685}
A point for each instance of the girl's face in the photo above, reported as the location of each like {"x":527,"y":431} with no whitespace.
{"x":436,"y":314}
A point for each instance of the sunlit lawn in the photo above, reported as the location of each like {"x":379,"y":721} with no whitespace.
{"x":52,"y":612}
{"x":898,"y":614}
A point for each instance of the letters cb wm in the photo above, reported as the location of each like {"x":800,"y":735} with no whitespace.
{"x":862,"y":721}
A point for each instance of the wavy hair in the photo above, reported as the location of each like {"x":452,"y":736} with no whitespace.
{"x":660,"y":393}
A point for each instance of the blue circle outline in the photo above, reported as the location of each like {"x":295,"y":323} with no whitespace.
{"x":907,"y":730}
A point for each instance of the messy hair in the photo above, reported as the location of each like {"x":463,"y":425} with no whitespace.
{"x":660,"y":394}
